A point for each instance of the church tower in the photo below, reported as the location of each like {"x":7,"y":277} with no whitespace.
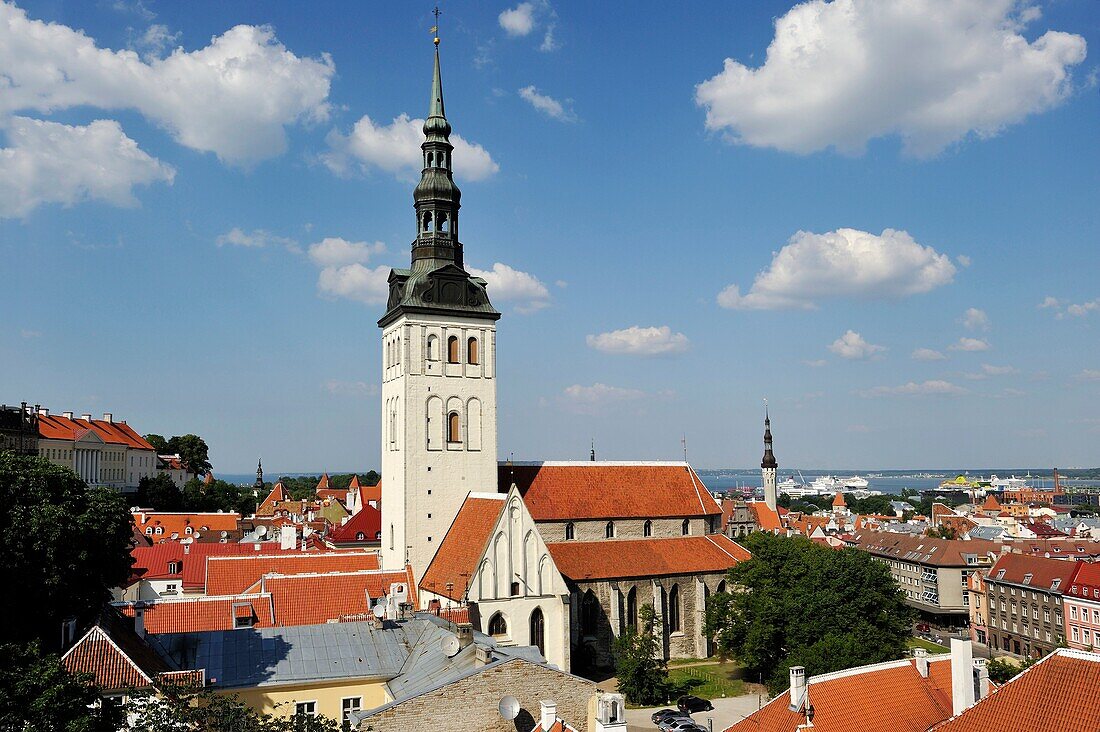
{"x":439,"y":406}
{"x":768,"y":466}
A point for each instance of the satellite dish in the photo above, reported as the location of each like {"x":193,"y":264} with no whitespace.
{"x":261,"y":531}
{"x":450,"y":646}
{"x":380,"y":611}
{"x":508,"y":707}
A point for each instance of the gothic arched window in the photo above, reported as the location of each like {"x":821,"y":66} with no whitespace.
{"x":570,"y":532}
{"x":674,"y":609}
{"x":590,"y":614}
{"x":685,"y":527}
{"x":632,"y":607}
{"x":609,"y":530}
{"x":454,"y":432}
{"x":471,"y":351}
{"x":498,"y":626}
{"x":452,"y":349}
{"x":647,"y":528}
{"x":538,"y":630}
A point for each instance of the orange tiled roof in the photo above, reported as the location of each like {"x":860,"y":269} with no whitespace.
{"x":368,"y":493}
{"x":332,"y":494}
{"x":1060,"y":693}
{"x":765,"y":517}
{"x":1014,"y":568}
{"x":59,"y":427}
{"x":177,"y":523}
{"x":458,"y":554}
{"x":152,"y":562}
{"x":584,"y":560}
{"x":368,"y":522}
{"x":990,"y":503}
{"x":923,"y":549}
{"x":889,"y":696}
{"x":587,"y":490}
{"x":113,"y":653}
{"x":323,"y":483}
{"x":195,"y":555}
{"x":838,"y":500}
{"x":278,"y":493}
{"x":311,"y":599}
{"x":232,"y":575}
{"x":196,"y":614}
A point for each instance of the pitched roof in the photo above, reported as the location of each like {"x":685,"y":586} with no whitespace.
{"x":1085,"y":579}
{"x":991,"y":503}
{"x":308,"y":599}
{"x":600,"y":490}
{"x":174,"y":524}
{"x":887,"y":696}
{"x":229,"y":575}
{"x":323,"y":483}
{"x":60,"y":427}
{"x":368,"y":493}
{"x":194,"y":614}
{"x":456,"y":559}
{"x":924,"y":549}
{"x":654,"y":557}
{"x":368,"y":522}
{"x":767,"y":519}
{"x":1037,"y":572}
{"x":1043,"y":530}
{"x":278,"y":493}
{"x":1060,"y":693}
{"x":838,"y":500}
{"x":195,"y":556}
{"x":1064,"y":548}
{"x":151,"y":562}
{"x":114,"y":654}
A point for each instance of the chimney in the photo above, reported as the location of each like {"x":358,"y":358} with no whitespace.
{"x":139,"y":620}
{"x":86,"y":417}
{"x":549,"y":714}
{"x":465,"y":633}
{"x":288,"y":537}
{"x":981,"y":679}
{"x":482,"y":656}
{"x":920,"y":658}
{"x":798,"y":688}
{"x":108,"y":418}
{"x":67,"y":415}
{"x":44,"y":411}
{"x":962,"y":676}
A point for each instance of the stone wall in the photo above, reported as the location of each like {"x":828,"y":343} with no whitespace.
{"x":471,"y":703}
{"x":595,"y":530}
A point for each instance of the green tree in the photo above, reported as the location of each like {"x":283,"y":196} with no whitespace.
{"x":206,"y":711}
{"x":218,"y":495}
{"x":946,"y":531}
{"x":159,"y":444}
{"x":193,"y":452}
{"x":160,"y":493}
{"x":878,"y":505}
{"x":639,"y":661}
{"x":800,"y":603}
{"x":39,"y":695}
{"x":64,"y":545}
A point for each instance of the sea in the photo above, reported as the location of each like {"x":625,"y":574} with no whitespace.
{"x":886,"y":481}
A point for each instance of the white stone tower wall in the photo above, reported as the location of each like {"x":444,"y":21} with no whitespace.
{"x":770,"y":495}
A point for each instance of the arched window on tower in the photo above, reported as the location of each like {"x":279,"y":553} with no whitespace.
{"x":452,"y":349}
{"x":570,"y":532}
{"x":647,"y":528}
{"x":471,"y":351}
{"x":538,"y":630}
{"x":609,"y":530}
{"x":444,"y":223}
{"x":433,"y":348}
{"x":674,"y":609}
{"x":454,"y":431}
{"x":427,"y":224}
{"x":498,"y":626}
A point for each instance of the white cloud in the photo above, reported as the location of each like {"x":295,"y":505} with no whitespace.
{"x":506,"y":284}
{"x":395,"y":148}
{"x":927,"y":354}
{"x":925,"y":388}
{"x":853,"y":346}
{"x":355,"y":282}
{"x":350,"y":388}
{"x":991,"y":370}
{"x":1050,"y":302}
{"x":969,"y":344}
{"x":518,"y":21}
{"x":1089,"y":375}
{"x":963,"y":260}
{"x":49,"y":162}
{"x":27,"y":334}
{"x":549,"y":43}
{"x":975,"y":319}
{"x":638,"y":341}
{"x":336,"y":252}
{"x":845,"y":262}
{"x":257,"y":238}
{"x":155,"y":40}
{"x":235,"y":97}
{"x":839,"y":74}
{"x":816,"y":363}
{"x":547,"y":105}
{"x":1080,"y":310}
{"x":597,"y":397}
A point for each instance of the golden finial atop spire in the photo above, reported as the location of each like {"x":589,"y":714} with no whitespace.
{"x":435,"y":28}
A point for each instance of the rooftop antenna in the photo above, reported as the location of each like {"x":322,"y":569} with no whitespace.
{"x":435,"y":28}
{"x":684,"y":444}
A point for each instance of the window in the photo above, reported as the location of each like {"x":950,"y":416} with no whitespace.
{"x":454,"y":433}
{"x":647,"y":528}
{"x":674,"y":609}
{"x":348,"y":705}
{"x":306,"y":707}
{"x":433,"y":348}
{"x":174,"y":567}
{"x":148,"y":530}
{"x":189,"y":530}
{"x":498,"y":627}
{"x":159,"y":530}
{"x":244,"y":621}
{"x":1073,"y":612}
{"x":609,"y":530}
{"x":685,"y":527}
{"x":570,"y":532}
{"x":632,"y":607}
{"x":471,"y":351}
{"x":590,"y":614}
{"x":515,"y":589}
{"x":452,"y":349}
{"x":538,"y":631}
{"x":360,"y":536}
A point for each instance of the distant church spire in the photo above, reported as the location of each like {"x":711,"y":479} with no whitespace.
{"x":769,"y":466}
{"x":769,"y":457}
{"x":259,"y":484}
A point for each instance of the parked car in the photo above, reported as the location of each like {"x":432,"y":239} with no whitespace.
{"x":682,"y":725}
{"x":692,"y":704}
{"x":662,"y":714}
{"x":923,"y":627}
{"x":675,"y":724}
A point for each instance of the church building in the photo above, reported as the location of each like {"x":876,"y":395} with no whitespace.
{"x":556,"y":555}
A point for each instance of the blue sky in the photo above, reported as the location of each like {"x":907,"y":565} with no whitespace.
{"x":198,"y":203}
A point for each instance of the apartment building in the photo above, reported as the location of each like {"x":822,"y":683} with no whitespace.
{"x":1025,"y":600}
{"x":101,"y":451}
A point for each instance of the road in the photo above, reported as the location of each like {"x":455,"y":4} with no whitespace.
{"x":726,"y":712}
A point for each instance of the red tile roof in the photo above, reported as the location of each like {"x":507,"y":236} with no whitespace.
{"x":323,"y":483}
{"x":311,"y":599}
{"x":278,"y":493}
{"x":767,"y":519}
{"x":1060,"y":693}
{"x":113,"y":653}
{"x":454,"y":563}
{"x":1058,"y":548}
{"x":195,"y":614}
{"x":59,"y":427}
{"x":151,"y":562}
{"x":1085,"y":581}
{"x":889,"y":696}
{"x":177,"y":523}
{"x":1044,"y":530}
{"x":838,"y":500}
{"x":1015,"y":568}
{"x":588,"y":490}
{"x":655,"y":557}
{"x":990,"y":503}
{"x":232,"y":575}
{"x":194,"y":558}
{"x":367,"y":522}
{"x":924,"y":549}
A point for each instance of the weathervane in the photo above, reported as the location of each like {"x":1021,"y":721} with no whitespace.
{"x":435,"y":28}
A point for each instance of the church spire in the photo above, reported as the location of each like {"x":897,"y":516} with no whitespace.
{"x":769,"y":457}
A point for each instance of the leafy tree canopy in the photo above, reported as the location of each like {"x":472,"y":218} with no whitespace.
{"x":218,"y":495}
{"x":305,"y":486}
{"x":803,"y":604}
{"x":159,"y":444}
{"x":639,"y":661}
{"x":160,"y":493}
{"x":64,"y":546}
{"x":193,"y":452}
